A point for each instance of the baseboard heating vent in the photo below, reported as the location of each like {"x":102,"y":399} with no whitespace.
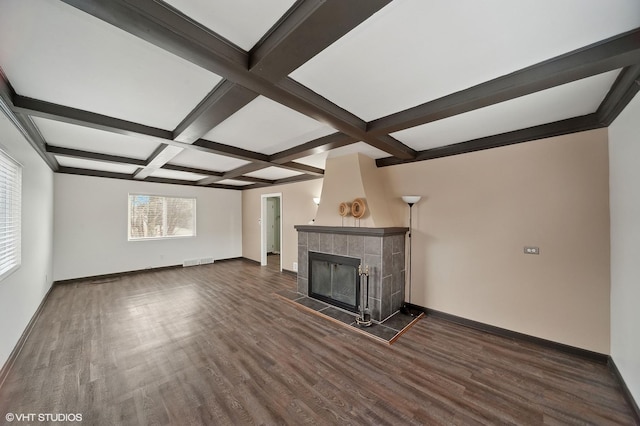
{"x":207,"y":260}
{"x":191,"y":262}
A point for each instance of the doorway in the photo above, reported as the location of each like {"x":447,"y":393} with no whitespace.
{"x":271,"y":231}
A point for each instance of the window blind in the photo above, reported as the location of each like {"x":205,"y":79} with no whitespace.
{"x":10,"y":214}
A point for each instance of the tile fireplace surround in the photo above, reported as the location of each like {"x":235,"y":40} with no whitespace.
{"x":382,"y":249}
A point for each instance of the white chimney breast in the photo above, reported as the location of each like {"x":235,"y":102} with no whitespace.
{"x":347,"y":178}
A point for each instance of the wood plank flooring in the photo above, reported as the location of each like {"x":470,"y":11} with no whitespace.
{"x":213,"y":345}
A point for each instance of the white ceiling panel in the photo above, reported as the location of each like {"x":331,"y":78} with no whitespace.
{"x":570,"y":100}
{"x":414,"y":51}
{"x":103,"y":166}
{"x":319,"y":160}
{"x":273,"y":173}
{"x":234,"y":182}
{"x":206,"y":161}
{"x":267,"y":127}
{"x":175,"y":174}
{"x":54,"y":52}
{"x":242,"y":22}
{"x":87,"y":139}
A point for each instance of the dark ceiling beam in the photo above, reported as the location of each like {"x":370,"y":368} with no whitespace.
{"x":212,"y":173}
{"x":243,"y":187}
{"x":38,"y":108}
{"x":125,"y":176}
{"x":36,"y":139}
{"x":221,"y":103}
{"x":606,"y":55}
{"x":303,"y":168}
{"x":155,"y":154}
{"x":65,"y":114}
{"x":623,"y":90}
{"x":317,"y":146}
{"x":232,"y":174}
{"x":162,"y":155}
{"x":86,"y":155}
{"x":308,"y":28}
{"x":231,"y":151}
{"x":238,"y":173}
{"x":162,"y":25}
{"x":94,"y":173}
{"x":260,"y":161}
{"x":23,"y":123}
{"x":187,"y":183}
{"x":306,"y":101}
{"x":178,"y":168}
{"x":167,"y":28}
{"x":292,"y":179}
{"x":557,"y":128}
{"x":308,"y":172}
{"x":254,"y":180}
{"x":291,"y":42}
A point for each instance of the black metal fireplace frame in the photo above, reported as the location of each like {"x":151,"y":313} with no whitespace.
{"x":336,"y":259}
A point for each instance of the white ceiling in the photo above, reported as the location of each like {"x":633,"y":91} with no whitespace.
{"x":56,"y":53}
{"x":569,"y":100}
{"x":267,"y":127}
{"x":414,"y":51}
{"x":65,"y":135}
{"x":273,"y":173}
{"x":207,"y":161}
{"x":242,"y":22}
{"x":173,"y":174}
{"x":408,"y":53}
{"x":234,"y":182}
{"x":319,"y":160}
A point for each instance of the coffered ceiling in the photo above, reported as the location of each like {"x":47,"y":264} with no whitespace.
{"x":241,"y":93}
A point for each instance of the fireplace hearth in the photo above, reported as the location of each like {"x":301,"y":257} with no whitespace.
{"x":381,"y":249}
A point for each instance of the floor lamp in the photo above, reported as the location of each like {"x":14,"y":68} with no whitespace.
{"x":410,"y":200}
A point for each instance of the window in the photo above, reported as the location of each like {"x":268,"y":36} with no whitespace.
{"x":10,"y":212}
{"x":152,"y":217}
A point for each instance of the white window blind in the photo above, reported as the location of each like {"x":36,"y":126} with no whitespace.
{"x":10,"y":213}
{"x":152,"y":217}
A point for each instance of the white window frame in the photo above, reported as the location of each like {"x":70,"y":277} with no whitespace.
{"x":164,"y":217}
{"x":10,"y":214}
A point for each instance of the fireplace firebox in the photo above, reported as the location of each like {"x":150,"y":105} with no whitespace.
{"x":335,"y":280}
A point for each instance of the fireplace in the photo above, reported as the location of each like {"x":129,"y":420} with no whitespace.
{"x":334,"y":279}
{"x":382,"y":250}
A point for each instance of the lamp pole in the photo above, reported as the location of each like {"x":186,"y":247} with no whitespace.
{"x":410,"y":245}
{"x":410,"y":200}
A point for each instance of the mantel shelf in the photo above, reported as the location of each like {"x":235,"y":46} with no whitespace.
{"x":352,"y":230}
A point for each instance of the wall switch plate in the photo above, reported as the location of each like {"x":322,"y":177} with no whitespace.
{"x":532,"y":250}
{"x":295,"y":266}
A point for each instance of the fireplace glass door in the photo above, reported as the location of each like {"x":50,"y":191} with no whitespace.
{"x":334,"y":279}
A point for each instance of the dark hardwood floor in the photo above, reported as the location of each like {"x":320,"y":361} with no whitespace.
{"x":273,"y":261}
{"x":213,"y":345}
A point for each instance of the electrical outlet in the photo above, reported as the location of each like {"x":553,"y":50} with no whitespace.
{"x":532,"y":250}
{"x":295,"y":266}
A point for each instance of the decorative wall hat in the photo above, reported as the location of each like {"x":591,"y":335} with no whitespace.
{"x":344,"y":209}
{"x":358,"y":208}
